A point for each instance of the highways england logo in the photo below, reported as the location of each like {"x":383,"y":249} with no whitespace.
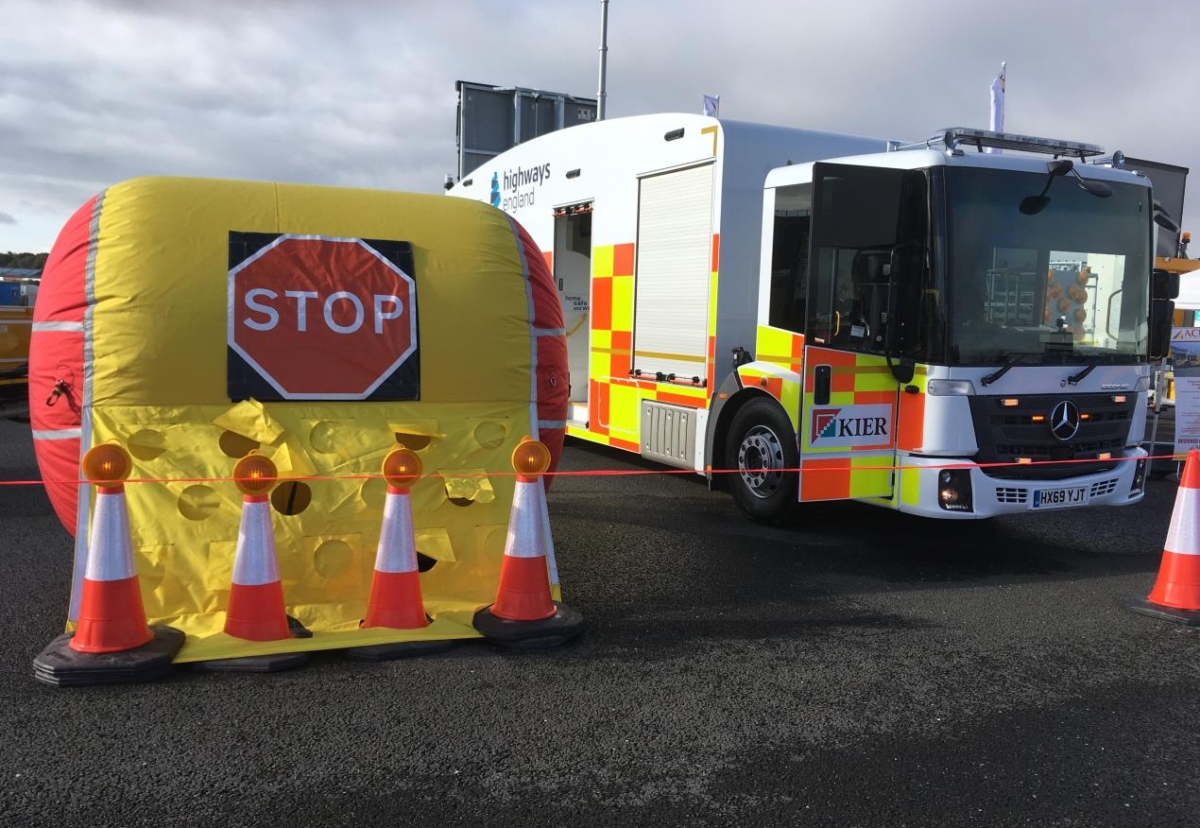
{"x":517,"y":188}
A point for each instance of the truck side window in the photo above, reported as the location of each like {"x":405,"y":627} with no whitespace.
{"x":789,"y":271}
{"x":856,"y":224}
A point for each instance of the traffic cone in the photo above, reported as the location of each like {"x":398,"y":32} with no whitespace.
{"x":1176,"y":593}
{"x":256,"y":611}
{"x":395,"y":601}
{"x":524,"y":614}
{"x":112,"y":642}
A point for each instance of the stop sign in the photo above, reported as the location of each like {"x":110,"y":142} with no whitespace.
{"x":322,"y":318}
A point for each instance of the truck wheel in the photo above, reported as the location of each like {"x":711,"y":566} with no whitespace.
{"x":761,"y":445}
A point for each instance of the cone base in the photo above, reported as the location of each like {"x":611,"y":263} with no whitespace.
{"x":400,"y":649}
{"x":62,"y":666}
{"x":254,"y":664}
{"x":559,"y":628}
{"x":271,"y":663}
{"x":1189,"y":618}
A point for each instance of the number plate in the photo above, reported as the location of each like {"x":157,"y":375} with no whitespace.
{"x":1060,"y":498}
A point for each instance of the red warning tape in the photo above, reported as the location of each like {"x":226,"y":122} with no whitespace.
{"x":605,"y":472}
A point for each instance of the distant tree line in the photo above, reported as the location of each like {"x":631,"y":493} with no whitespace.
{"x":33,"y":261}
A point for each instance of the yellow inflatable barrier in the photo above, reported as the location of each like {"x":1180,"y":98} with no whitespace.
{"x":195,"y":320}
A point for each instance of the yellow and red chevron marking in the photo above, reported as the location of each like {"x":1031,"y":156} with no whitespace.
{"x":855,"y":379}
{"x":614,"y":397}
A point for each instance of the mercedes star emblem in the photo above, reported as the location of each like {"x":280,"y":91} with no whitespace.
{"x":1064,"y":420}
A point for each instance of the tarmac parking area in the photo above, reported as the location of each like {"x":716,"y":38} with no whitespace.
{"x":853,"y":668}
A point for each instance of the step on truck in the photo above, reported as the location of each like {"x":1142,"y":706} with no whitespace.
{"x":958,"y":328}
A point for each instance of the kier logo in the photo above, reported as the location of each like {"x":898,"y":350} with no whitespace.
{"x":851,"y":425}
{"x":824,"y":423}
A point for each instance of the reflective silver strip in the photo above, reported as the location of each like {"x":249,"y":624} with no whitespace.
{"x":85,"y":416}
{"x":1182,"y":536}
{"x":14,"y":359}
{"x":110,"y":548}
{"x":254,"y":561}
{"x":58,"y":327}
{"x":397,"y":552}
{"x":549,"y":331}
{"x":57,"y":434}
{"x":15,"y":321}
{"x":552,"y":423}
{"x":525,"y":539}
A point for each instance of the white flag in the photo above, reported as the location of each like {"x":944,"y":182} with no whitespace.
{"x":997,"y":124}
{"x":712,"y":105}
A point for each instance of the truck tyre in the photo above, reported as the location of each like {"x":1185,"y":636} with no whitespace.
{"x":761,"y":445}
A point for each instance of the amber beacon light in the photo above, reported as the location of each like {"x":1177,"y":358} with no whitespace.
{"x":107,"y":463}
{"x":531,"y":458}
{"x":402,"y":468}
{"x":255,"y":474}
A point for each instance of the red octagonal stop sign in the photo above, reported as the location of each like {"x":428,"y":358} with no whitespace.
{"x":321,"y":318}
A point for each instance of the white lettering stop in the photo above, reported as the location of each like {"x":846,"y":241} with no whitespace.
{"x":384,"y":306}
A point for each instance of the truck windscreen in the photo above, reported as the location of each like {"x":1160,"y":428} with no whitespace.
{"x":1068,"y":283}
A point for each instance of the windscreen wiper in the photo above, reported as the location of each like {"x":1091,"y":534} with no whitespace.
{"x":1075,"y":379}
{"x":1012,"y":360}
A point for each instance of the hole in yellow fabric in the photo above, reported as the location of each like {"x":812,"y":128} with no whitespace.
{"x":198,"y":502}
{"x":461,"y":501}
{"x":332,"y":559}
{"x":324,"y":437}
{"x":291,"y":497}
{"x":416,"y":442}
{"x":147,"y":444}
{"x":235,"y":445}
{"x":490,"y":435}
{"x":374,"y":492}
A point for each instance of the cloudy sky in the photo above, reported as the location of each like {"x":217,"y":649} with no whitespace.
{"x":361,"y":92}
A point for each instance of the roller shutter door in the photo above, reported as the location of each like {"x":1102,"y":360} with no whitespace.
{"x":674,"y":263}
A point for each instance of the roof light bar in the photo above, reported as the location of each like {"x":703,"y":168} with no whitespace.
{"x":956,"y":138}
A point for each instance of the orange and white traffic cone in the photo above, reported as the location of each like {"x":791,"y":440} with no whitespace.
{"x":1176,"y":593}
{"x":395,"y":601}
{"x":112,"y":642}
{"x":524,"y":614}
{"x":256,"y":610}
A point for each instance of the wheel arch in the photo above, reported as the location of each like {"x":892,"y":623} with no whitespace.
{"x":718,"y":426}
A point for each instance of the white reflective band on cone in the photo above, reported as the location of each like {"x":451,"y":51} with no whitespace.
{"x":110,"y":545}
{"x":525,"y":523}
{"x":255,"y":564}
{"x":1182,"y":537}
{"x":397,"y":543}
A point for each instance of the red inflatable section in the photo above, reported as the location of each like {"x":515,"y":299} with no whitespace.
{"x":553,"y":379}
{"x":56,"y":359}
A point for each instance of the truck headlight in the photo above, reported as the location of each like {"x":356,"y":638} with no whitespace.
{"x":954,"y":490}
{"x":950,"y":388}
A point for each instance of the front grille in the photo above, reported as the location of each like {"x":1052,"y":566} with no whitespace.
{"x":1006,"y":434}
{"x":1104,"y":487}
{"x":1010,"y":495}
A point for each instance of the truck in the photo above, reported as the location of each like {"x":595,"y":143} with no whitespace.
{"x":17,"y":291}
{"x":956,"y":328}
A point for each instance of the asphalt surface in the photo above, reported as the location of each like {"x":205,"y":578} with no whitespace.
{"x":854,"y":668}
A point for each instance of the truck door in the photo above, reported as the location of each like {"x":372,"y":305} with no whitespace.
{"x":847,"y":437}
{"x":573,"y":275}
